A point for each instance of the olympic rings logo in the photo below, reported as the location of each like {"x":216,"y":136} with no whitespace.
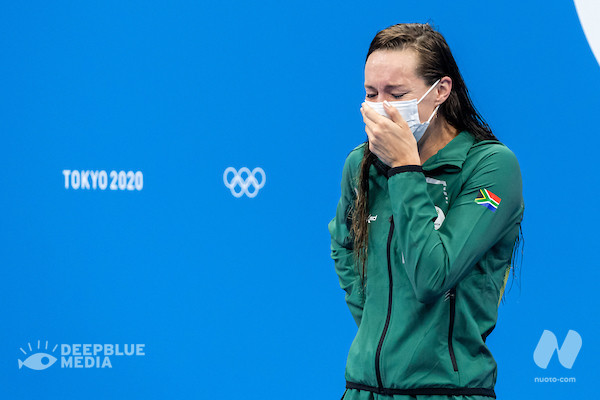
{"x":244,"y":179}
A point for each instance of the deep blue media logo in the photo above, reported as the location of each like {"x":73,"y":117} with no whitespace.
{"x":240,"y":182}
{"x":40,"y":360}
{"x":89,"y":355}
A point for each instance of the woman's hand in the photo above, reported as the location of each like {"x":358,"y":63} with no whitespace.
{"x":390,"y":140}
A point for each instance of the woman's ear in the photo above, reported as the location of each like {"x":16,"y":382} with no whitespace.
{"x":443,"y":90}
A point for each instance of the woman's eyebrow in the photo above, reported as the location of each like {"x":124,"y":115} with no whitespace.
{"x":388,"y":87}
{"x":401,"y":87}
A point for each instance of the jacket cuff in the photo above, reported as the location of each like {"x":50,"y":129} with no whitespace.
{"x":404,"y":168}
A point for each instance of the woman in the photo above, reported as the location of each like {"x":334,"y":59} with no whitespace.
{"x":425,"y":228}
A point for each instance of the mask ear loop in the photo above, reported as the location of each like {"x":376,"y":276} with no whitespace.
{"x":429,"y":90}
{"x":426,"y":93}
{"x":433,"y":114}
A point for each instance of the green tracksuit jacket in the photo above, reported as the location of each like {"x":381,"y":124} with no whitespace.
{"x":439,"y":250}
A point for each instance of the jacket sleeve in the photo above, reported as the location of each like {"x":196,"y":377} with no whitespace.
{"x":342,"y":246}
{"x":436,"y":260}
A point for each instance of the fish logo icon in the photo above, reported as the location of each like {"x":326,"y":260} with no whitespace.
{"x":40,"y":360}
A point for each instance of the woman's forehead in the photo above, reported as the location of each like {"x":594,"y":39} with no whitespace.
{"x":392,"y":67}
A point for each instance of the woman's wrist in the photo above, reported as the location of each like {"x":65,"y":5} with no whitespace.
{"x":401,"y":163}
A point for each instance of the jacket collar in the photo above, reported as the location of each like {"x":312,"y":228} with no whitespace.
{"x":452,"y":155}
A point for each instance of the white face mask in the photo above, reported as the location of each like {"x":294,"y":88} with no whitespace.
{"x":410,"y":112}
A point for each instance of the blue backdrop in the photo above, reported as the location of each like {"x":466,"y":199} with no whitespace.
{"x":236,"y":297}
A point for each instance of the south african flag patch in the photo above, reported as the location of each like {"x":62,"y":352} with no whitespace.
{"x":488,"y":199}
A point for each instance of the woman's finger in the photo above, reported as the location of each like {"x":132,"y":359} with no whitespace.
{"x":394,"y":115}
{"x":371,"y":114}
{"x":369,"y":132}
{"x":368,"y":122}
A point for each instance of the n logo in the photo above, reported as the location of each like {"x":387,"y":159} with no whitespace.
{"x":567,"y":353}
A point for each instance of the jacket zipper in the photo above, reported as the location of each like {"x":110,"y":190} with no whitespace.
{"x":389,"y":311}
{"x":452,"y":295}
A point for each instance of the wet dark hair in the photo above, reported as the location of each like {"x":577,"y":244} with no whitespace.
{"x":434,"y":61}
